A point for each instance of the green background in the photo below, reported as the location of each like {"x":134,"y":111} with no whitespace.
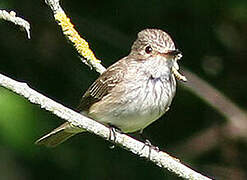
{"x":213,"y":38}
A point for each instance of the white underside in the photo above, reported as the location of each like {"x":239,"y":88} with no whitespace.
{"x":142,"y":98}
{"x":145,"y":105}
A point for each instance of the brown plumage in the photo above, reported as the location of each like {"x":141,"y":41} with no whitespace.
{"x":131,"y":93}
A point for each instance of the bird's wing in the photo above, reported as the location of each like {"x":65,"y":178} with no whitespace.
{"x":103,"y":85}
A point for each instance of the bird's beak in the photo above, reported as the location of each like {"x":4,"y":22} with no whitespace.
{"x":175,"y":52}
{"x":177,"y":55}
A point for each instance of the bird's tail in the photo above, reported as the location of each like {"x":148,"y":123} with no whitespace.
{"x":59,"y":135}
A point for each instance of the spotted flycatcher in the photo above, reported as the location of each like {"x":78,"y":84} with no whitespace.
{"x":133,"y":92}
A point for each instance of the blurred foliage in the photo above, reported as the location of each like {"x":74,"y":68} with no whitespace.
{"x":213,"y":38}
{"x":15,"y":130}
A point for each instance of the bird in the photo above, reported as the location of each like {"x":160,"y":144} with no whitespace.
{"x":133,"y":92}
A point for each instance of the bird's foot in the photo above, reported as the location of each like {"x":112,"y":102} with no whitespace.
{"x":112,"y":135}
{"x":150,"y":146}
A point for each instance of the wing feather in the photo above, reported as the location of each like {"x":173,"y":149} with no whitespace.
{"x":103,"y":85}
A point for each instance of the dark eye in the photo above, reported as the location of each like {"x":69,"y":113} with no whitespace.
{"x":148,"y":49}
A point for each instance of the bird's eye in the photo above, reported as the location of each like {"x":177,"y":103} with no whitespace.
{"x":148,"y":49}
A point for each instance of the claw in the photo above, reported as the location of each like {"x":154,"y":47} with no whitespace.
{"x":150,"y":146}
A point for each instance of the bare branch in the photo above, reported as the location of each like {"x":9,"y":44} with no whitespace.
{"x":159,"y":158}
{"x":16,"y":20}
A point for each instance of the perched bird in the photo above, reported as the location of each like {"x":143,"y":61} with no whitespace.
{"x":133,"y":92}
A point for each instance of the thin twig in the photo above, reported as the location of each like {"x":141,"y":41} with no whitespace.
{"x":236,"y":117}
{"x":159,"y":158}
{"x":80,"y":44}
{"x":16,"y":20}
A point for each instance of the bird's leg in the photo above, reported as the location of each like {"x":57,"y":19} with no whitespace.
{"x":147,"y":143}
{"x":112,"y":133}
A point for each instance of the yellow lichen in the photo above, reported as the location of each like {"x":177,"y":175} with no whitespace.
{"x":79,"y":43}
